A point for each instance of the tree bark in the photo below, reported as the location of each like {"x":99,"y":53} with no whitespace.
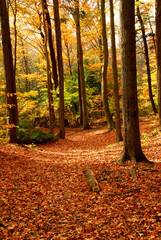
{"x":9,"y":72}
{"x":60,"y":66}
{"x":158,"y":53}
{"x":14,"y":10}
{"x":51,"y":120}
{"x":132,"y":146}
{"x":80,"y":98}
{"x":147,"y":60}
{"x":104,"y":69}
{"x":26,"y":67}
{"x":115,"y":76}
{"x":51,"y":47}
{"x":68,"y":57}
{"x":81,"y":68}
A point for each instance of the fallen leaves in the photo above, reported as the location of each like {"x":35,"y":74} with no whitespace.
{"x":44,"y":194}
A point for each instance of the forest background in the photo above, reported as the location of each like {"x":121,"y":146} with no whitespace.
{"x":29,"y":57}
{"x":74,"y":188}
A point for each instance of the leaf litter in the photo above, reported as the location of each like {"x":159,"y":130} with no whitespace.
{"x":44,"y":194}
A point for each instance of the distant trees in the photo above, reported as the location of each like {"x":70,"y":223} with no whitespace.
{"x":146,"y":58}
{"x":81,"y":42}
{"x":9,"y":72}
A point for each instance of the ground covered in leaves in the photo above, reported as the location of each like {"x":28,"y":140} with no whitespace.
{"x":44,"y":194}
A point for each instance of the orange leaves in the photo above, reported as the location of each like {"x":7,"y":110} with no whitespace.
{"x":10,"y":94}
{"x":44,"y":194}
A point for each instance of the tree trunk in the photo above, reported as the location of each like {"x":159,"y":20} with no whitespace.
{"x":51,"y":120}
{"x":60,"y":66}
{"x":51,"y":47}
{"x":68,"y":57}
{"x":146,"y":59}
{"x":80,"y":98}
{"x":14,"y":10}
{"x":104,"y":69}
{"x":9,"y":72}
{"x":132,"y":146}
{"x":81,"y":68}
{"x":158,"y":52}
{"x":115,"y":76}
{"x":26,"y":68}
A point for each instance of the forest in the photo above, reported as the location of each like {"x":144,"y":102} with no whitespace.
{"x":80,"y":119}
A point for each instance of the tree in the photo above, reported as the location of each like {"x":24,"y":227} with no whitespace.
{"x":104,"y":69}
{"x":132,"y":145}
{"x":51,"y":120}
{"x":14,"y":10}
{"x":81,"y":68}
{"x":51,"y":47}
{"x":115,"y":75}
{"x":60,"y":66}
{"x":146,"y":58}
{"x":158,"y":52}
{"x":9,"y":72}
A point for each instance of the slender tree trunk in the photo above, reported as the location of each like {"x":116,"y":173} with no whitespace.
{"x":9,"y":72}
{"x":158,"y":52}
{"x":51,"y":121}
{"x":51,"y":47}
{"x":115,"y":76}
{"x":26,"y":68}
{"x":80,"y":98}
{"x":81,"y":68}
{"x":60,"y":66}
{"x":132,"y":146}
{"x":104,"y":69}
{"x":14,"y":10}
{"x":146,"y":59}
{"x":151,"y":28}
{"x":68,"y":57}
{"x":100,"y":41}
{"x":52,"y":53}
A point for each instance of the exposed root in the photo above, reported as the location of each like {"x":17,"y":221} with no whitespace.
{"x":124,"y":157}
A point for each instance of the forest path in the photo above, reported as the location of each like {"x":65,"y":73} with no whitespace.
{"x":44,"y":194}
{"x":93,"y":144}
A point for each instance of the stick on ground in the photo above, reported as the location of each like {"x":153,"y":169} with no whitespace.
{"x":91,"y":180}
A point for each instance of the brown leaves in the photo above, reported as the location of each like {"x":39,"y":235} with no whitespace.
{"x":44,"y":194}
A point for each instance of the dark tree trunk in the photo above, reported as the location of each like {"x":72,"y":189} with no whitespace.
{"x":51,"y":47}
{"x":14,"y":10}
{"x":26,"y":68}
{"x":146,"y":59}
{"x":9,"y":72}
{"x":51,"y":120}
{"x":81,"y":68}
{"x":158,"y":52}
{"x":104,"y":69}
{"x":68,"y":57}
{"x":132,"y":146}
{"x":115,"y":76}
{"x":60,"y":66}
{"x":80,"y":98}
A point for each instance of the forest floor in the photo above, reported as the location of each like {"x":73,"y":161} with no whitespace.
{"x":44,"y":194}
